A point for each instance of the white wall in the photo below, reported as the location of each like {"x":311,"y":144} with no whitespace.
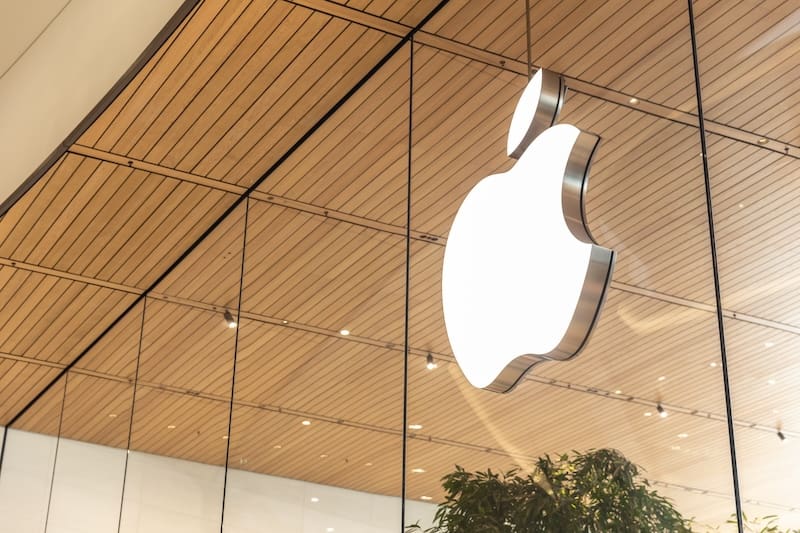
{"x":58,"y":60}
{"x":164,"y":495}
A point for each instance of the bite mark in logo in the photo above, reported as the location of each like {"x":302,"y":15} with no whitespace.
{"x":523,"y":281}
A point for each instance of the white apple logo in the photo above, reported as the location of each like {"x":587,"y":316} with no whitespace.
{"x":522,"y":280}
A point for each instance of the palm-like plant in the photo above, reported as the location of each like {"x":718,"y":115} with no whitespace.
{"x":596,"y":491}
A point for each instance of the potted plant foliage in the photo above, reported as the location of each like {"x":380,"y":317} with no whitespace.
{"x":596,"y":491}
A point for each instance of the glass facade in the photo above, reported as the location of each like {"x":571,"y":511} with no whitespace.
{"x":272,"y":353}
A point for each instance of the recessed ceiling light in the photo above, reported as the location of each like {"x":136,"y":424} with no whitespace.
{"x":712,"y":364}
{"x":741,"y":206}
{"x":418,"y":470}
{"x":415,"y":426}
{"x":171,"y":426}
{"x":617,"y":391}
{"x":661,"y":411}
{"x":634,"y":101}
{"x":329,"y":529}
{"x":242,"y":461}
{"x":112,"y":415}
{"x":344,"y":332}
{"x":769,"y":344}
{"x":426,"y":498}
{"x":277,"y":447}
{"x":682,"y":435}
{"x":284,"y":321}
{"x":306,"y":422}
{"x":224,"y":437}
{"x":314,"y":499}
{"x":323,"y":456}
{"x":662,"y":378}
{"x":771,"y":381}
{"x":367,"y":464}
{"x":763,"y":140}
{"x":675,"y":448}
{"x":648,"y":413}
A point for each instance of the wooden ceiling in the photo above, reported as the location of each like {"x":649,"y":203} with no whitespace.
{"x":251,"y":97}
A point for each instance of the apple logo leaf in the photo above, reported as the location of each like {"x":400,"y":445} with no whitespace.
{"x":523,"y":280}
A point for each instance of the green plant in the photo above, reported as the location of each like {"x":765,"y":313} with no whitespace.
{"x":596,"y":491}
{"x":764,"y":524}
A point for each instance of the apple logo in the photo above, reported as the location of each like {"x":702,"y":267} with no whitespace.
{"x":522,"y":280}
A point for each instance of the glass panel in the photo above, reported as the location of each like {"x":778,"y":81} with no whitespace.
{"x":317,"y":424}
{"x":749,"y":72}
{"x":92,"y":452}
{"x":656,"y":340}
{"x":179,"y":434}
{"x":29,"y":461}
{"x":755,"y":207}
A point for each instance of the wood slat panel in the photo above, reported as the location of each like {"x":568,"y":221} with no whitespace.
{"x":748,"y":60}
{"x":312,"y":270}
{"x":756,"y":241}
{"x":188,"y":348}
{"x":200,"y":425}
{"x":17,"y":380}
{"x":109,"y":222}
{"x":330,"y":376}
{"x":356,"y":458}
{"x":644,"y":51}
{"x":53,"y":319}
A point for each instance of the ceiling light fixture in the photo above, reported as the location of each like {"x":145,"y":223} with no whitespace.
{"x":712,"y":364}
{"x":418,"y":470}
{"x":633,"y":101}
{"x":763,"y":140}
{"x":415,"y":427}
{"x":662,"y":378}
{"x":171,"y":426}
{"x":617,"y":391}
{"x":306,"y":422}
{"x":648,"y":413}
{"x":683,"y":435}
{"x":771,"y":382}
{"x":112,"y":415}
{"x":344,"y":332}
{"x":277,"y":447}
{"x":661,"y":411}
{"x":314,"y":499}
{"x":769,"y":344}
{"x":425,"y":498}
{"x":229,"y":319}
{"x":430,"y":362}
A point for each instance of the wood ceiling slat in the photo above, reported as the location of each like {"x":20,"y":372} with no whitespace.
{"x":187,"y":348}
{"x":97,"y":411}
{"x":196,"y":37}
{"x":334,"y":263}
{"x":57,"y":331}
{"x":352,"y":144}
{"x":16,"y":380}
{"x":221,"y":114}
{"x":748,"y":58}
{"x":212,"y":69}
{"x":117,"y":352}
{"x":256,"y":152}
{"x":756,"y":257}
